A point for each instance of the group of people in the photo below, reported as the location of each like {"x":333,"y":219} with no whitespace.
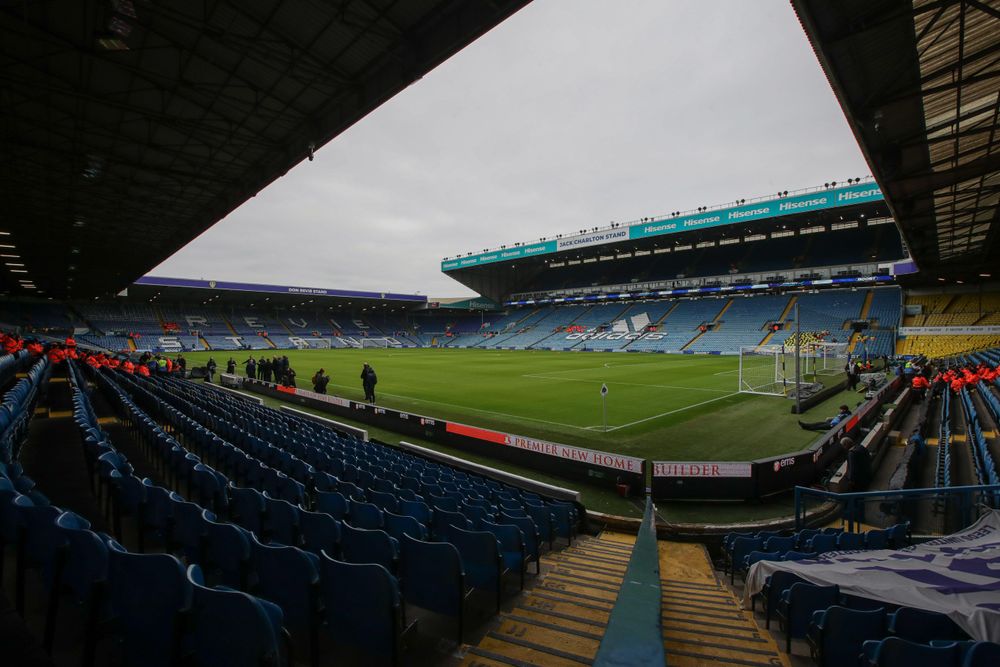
{"x":57,"y":352}
{"x":279,"y":371}
{"x":275,"y":369}
{"x":924,"y":377}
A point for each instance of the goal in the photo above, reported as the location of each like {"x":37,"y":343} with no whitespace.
{"x":310,"y":343}
{"x":828,"y":358}
{"x":386,"y":342}
{"x":766,"y":369}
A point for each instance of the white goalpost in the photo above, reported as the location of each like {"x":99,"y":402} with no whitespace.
{"x":385,"y":342}
{"x":766,"y":369}
{"x":829,"y":358}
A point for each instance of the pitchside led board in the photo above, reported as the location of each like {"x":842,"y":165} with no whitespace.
{"x":775,"y":208}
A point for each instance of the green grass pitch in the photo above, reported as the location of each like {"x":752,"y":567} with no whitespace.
{"x":662,"y":407}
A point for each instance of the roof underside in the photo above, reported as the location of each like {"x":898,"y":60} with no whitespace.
{"x":128,"y":127}
{"x":920,"y":85}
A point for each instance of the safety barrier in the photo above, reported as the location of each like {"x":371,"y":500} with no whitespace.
{"x":634,"y":635}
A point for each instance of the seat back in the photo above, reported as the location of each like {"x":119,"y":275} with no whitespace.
{"x":822,"y":543}
{"x":333,"y":503}
{"x":320,"y":532}
{"x":532,"y":540}
{"x":146,"y":594}
{"x":444,"y":521}
{"x":896,"y":652}
{"x":282,"y":521}
{"x":918,"y":625}
{"x":288,"y":577}
{"x":419,"y":510}
{"x":779,"y":544}
{"x":432,"y":576}
{"x":845,"y":630}
{"x":361,"y":605}
{"x":365,"y":515}
{"x":982,"y":654}
{"x":480,"y":553}
{"x":398,"y":525}
{"x":850,"y":541}
{"x":231,"y":629}
{"x":86,"y":562}
{"x":227,"y":552}
{"x":803,"y":600}
{"x":361,"y":545}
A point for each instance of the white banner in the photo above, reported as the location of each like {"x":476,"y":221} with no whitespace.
{"x":701,"y":469}
{"x":958,"y":575}
{"x":596,"y":238}
{"x":949,"y":331}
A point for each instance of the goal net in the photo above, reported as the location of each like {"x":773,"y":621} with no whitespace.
{"x":310,"y":343}
{"x":388,"y":341}
{"x":766,"y":369}
{"x":827,"y":358}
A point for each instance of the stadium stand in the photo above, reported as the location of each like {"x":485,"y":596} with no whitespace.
{"x":36,"y":317}
{"x":680,"y":324}
{"x":743,"y":323}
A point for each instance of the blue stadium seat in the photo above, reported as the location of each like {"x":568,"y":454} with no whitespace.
{"x":360,"y":545}
{"x":433,"y":578}
{"x":896,"y":652}
{"x":444,"y":520}
{"x":741,"y":548}
{"x":919,"y":625}
{"x":289,"y":577}
{"x":365,"y":515}
{"x":227,"y":553}
{"x":982,"y":654}
{"x":398,"y":525}
{"x":361,"y":607}
{"x":877,"y":539}
{"x":232,"y":629}
{"x":822,"y":543}
{"x":850,"y":541}
{"x":147,"y":593}
{"x":419,"y":510}
{"x":246,"y":508}
{"x":187,"y":530}
{"x":333,"y":503}
{"x":82,"y":569}
{"x":281,"y":521}
{"x":320,"y":532}
{"x":797,"y":604}
{"x":156,"y":513}
{"x":835,"y":635}
{"x":481,"y":559}
{"x":779,"y":544}
{"x":512,"y":549}
{"x":529,"y":534}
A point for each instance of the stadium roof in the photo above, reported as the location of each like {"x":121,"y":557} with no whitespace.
{"x":130,"y":127}
{"x":920,"y":85}
{"x":497,"y":274}
{"x":218,"y":293}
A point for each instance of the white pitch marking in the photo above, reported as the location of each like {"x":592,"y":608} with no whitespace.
{"x":628,"y":384}
{"x":664,"y":414}
{"x":465,"y":407}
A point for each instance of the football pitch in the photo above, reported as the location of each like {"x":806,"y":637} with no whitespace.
{"x":662,"y":407}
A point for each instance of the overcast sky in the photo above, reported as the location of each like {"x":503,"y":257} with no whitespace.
{"x":570,"y":114}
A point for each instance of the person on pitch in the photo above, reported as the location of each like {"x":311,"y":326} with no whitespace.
{"x":827,"y":424}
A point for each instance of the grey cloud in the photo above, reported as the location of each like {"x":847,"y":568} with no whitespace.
{"x":571,"y":114}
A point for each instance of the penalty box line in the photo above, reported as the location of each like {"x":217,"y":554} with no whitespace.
{"x":465,"y":407}
{"x":627,"y":384}
{"x":672,"y":412}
